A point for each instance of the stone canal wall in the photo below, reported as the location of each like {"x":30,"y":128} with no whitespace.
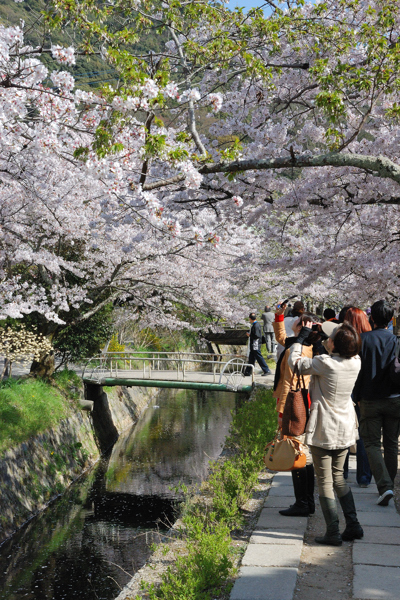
{"x":35,"y":472}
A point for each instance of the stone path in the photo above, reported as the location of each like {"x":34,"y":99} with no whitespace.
{"x":270,"y":564}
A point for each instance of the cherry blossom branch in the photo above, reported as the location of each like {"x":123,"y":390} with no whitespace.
{"x":191,"y":113}
{"x":380,"y":165}
{"x":95,"y":310}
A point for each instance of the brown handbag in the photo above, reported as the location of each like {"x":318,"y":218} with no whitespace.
{"x":284,"y":454}
{"x":294,"y":416}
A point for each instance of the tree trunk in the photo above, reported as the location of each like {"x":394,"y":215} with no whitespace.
{"x":44,"y":367}
{"x":6,"y":369}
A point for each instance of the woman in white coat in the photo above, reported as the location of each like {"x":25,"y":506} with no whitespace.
{"x":332,"y":426}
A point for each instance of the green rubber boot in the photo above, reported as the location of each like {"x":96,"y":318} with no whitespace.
{"x":332,"y":536}
{"x":353,"y":530}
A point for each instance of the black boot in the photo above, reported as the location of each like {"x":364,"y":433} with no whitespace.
{"x":332,"y":536}
{"x":353,"y":530}
{"x":300,"y":508}
{"x":310,"y":489}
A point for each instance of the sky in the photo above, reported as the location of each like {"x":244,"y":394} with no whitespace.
{"x":245,"y":3}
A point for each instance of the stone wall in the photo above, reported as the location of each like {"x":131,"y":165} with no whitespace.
{"x":36,"y":471}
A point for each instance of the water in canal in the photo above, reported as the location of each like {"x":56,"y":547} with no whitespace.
{"x":88,"y":544}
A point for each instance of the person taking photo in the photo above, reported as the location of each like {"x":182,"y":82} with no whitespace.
{"x":332,"y":425}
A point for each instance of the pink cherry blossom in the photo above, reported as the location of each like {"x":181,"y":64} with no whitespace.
{"x":63,"y":55}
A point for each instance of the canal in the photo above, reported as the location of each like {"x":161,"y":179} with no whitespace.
{"x":88,"y":544}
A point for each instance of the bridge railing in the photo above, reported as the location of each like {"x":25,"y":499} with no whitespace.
{"x":228,"y":369}
{"x":168,"y":360}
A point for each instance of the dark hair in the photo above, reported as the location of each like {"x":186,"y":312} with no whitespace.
{"x":298,"y":308}
{"x":358,"y":319}
{"x":381,"y":313}
{"x":329,"y":313}
{"x":309,"y":316}
{"x":347,"y":341}
{"x":315,"y":336}
{"x":253,"y":316}
{"x":342,"y":313}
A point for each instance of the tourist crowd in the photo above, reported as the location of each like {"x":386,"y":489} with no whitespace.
{"x":347,"y":365}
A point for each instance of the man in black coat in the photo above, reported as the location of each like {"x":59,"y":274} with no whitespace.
{"x":379,"y":400}
{"x":255,"y":345}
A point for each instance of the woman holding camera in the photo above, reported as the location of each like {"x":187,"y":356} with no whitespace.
{"x":332,"y":426}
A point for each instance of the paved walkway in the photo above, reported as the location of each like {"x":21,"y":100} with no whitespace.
{"x":270,"y":565}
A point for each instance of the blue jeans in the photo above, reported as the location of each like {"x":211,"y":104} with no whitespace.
{"x":363,"y":472}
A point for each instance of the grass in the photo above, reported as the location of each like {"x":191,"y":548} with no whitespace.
{"x":203,"y":572}
{"x":30,"y":406}
{"x":270,"y":361}
{"x":69,"y":383}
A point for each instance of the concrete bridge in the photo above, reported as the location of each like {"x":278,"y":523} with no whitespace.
{"x":181,"y":370}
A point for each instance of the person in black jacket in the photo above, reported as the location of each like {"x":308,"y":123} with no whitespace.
{"x":379,"y":401}
{"x":255,"y":345}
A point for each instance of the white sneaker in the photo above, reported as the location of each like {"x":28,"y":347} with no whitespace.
{"x":385,"y":498}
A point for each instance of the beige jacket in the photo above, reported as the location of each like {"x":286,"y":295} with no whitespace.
{"x":333,"y":422}
{"x":286,"y":373}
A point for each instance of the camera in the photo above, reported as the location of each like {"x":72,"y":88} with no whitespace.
{"x":317,"y":328}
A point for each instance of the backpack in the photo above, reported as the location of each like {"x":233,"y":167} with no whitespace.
{"x":394,"y":371}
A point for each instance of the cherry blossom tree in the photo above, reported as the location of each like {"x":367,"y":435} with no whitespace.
{"x":78,"y":232}
{"x":308,"y":98}
{"x":253,"y":154}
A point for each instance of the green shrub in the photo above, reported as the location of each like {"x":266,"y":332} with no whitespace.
{"x":253,"y":425}
{"x":203,"y":570}
{"x":114,"y":345}
{"x":231,"y":483}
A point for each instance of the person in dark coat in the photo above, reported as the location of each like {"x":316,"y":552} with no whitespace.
{"x":330,"y":315}
{"x":379,"y":400}
{"x":255,"y":335}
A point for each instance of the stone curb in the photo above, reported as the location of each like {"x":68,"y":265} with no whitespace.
{"x":270,"y":563}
